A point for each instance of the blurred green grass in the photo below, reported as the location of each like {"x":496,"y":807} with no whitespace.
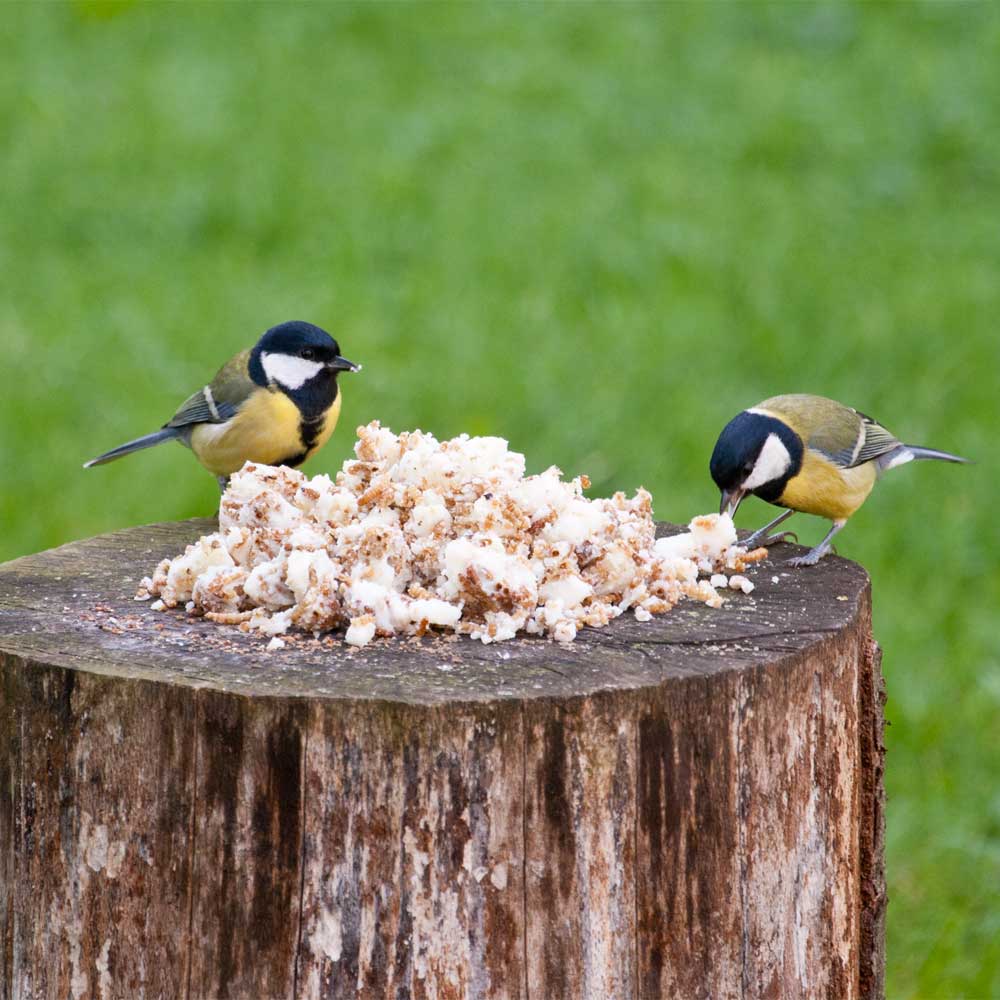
{"x":598,"y":230}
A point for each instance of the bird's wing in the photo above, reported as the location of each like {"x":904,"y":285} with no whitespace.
{"x":220,"y":400}
{"x":836,"y":431}
{"x":851,"y":439}
{"x":201,"y":408}
{"x":877,"y":441}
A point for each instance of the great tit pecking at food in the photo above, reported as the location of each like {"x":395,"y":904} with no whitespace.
{"x":808,"y":454}
{"x":276,"y":404}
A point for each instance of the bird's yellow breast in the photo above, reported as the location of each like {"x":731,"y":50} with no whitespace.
{"x":825,"y":489}
{"x":267,"y":429}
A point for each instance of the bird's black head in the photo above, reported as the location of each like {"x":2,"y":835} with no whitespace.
{"x":756,"y":453}
{"x":292,"y":355}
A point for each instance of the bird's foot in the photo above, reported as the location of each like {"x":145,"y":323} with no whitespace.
{"x":761,"y":536}
{"x":758,"y":539}
{"x":812,"y":557}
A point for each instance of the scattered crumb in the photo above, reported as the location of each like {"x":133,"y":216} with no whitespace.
{"x":564,"y":631}
{"x":361,"y":631}
{"x":275,"y":644}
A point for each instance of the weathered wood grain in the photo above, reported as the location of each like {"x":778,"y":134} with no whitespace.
{"x":580,"y":816}
{"x":798,"y":740}
{"x":247,"y":838}
{"x":871,"y":833}
{"x":690,"y":807}
{"x":413,"y":853}
{"x":689,"y":879}
{"x":100,"y":833}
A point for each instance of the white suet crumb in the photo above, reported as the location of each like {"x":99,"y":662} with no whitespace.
{"x":361,"y":630}
{"x":415,"y":534}
{"x":275,"y":644}
{"x":738,"y":582}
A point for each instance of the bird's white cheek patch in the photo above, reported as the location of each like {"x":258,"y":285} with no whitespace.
{"x":772,"y":463}
{"x":288,"y":370}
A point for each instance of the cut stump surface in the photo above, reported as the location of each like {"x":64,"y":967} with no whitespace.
{"x":689,"y":807}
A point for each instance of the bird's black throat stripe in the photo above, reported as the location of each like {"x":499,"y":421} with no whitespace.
{"x":309,"y":430}
{"x":314,"y":400}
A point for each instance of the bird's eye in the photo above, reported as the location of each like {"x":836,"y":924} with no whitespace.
{"x":307,"y":354}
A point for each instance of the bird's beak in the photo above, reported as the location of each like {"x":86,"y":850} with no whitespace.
{"x":340,"y":364}
{"x":731,"y":500}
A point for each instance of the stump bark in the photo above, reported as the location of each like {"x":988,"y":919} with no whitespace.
{"x":690,"y":807}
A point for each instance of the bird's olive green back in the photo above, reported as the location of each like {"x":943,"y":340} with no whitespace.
{"x":232,"y":383}
{"x":831,"y":427}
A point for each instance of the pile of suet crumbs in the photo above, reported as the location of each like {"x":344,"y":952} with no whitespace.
{"x":416,"y":534}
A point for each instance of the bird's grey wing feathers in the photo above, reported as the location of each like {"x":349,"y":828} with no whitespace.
{"x":878,"y":441}
{"x":202,"y":408}
{"x":849,"y":438}
{"x":221,"y":399}
{"x":841,"y":457}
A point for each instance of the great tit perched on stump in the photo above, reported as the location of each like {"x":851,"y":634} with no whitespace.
{"x":808,"y":454}
{"x":276,"y":403}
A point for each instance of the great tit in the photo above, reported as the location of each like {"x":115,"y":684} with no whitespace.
{"x":276,"y":404}
{"x":808,"y":454}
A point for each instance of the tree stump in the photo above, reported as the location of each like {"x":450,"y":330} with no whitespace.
{"x":690,"y":807}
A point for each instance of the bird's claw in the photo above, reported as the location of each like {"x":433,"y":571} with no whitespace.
{"x":780,"y":536}
{"x":768,"y":540}
{"x":810,"y":558}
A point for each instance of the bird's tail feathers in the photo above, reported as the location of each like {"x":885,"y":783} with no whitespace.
{"x":911,"y":452}
{"x":940,"y":456}
{"x":147,"y":441}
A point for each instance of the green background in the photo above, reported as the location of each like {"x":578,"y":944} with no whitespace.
{"x":598,"y":230}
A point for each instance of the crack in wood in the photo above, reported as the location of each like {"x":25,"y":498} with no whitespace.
{"x":636,"y":936}
{"x":524,"y":849}
{"x":742,"y":811}
{"x":636,"y":644}
{"x":874,"y":895}
{"x":304,"y":736}
{"x":192,"y":841}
